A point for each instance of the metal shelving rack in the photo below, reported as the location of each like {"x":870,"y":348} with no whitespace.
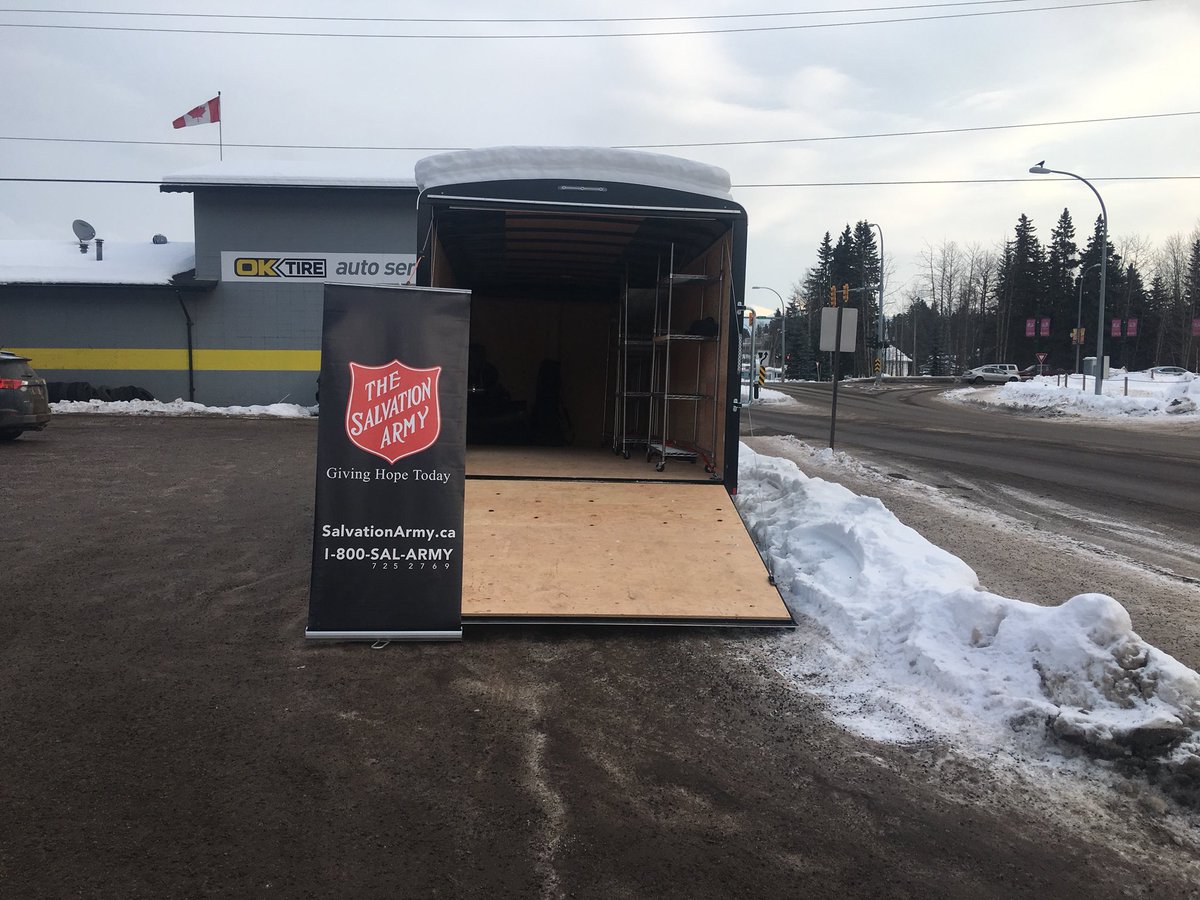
{"x":671,"y":386}
{"x":631,"y":406}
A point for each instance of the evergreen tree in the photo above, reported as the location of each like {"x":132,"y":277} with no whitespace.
{"x":817,"y":283}
{"x":1021,"y":284}
{"x":869,"y":266}
{"x":1189,"y":344}
{"x":1114,"y":274}
{"x":1134,"y":302}
{"x":1061,"y":299}
{"x":819,"y":278}
{"x":802,"y":351}
{"x":1157,"y":312}
{"x":843,"y":267}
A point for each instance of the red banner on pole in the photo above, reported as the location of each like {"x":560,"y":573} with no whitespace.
{"x":1131,"y":328}
{"x":1045,"y":328}
{"x":1196,"y":327}
{"x":1029,"y":328}
{"x":1116,"y":327}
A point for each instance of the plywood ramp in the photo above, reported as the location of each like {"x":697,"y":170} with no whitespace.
{"x":611,"y":552}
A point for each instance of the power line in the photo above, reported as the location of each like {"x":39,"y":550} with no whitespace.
{"x":887,"y":134}
{"x":508,"y":21}
{"x":613,"y":34}
{"x":767,"y":141}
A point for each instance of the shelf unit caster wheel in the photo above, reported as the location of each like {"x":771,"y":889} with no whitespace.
{"x":625,"y":454}
{"x":658,"y":467}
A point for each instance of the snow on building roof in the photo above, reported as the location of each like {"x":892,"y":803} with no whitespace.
{"x":577,"y":163}
{"x":123,"y":262}
{"x":290,"y":173}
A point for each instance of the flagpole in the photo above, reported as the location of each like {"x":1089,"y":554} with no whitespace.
{"x":220,"y":131}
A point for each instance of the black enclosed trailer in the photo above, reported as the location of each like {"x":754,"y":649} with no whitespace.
{"x":607,"y":290}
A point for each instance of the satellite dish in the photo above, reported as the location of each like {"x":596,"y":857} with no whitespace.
{"x":83,"y":230}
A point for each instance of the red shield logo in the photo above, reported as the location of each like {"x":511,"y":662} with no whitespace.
{"x":393,"y":410}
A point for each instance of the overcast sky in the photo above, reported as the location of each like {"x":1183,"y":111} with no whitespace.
{"x":964,"y":70}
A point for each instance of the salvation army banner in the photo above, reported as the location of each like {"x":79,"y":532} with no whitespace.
{"x":391,"y":460}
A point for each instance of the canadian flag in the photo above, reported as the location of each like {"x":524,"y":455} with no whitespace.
{"x":203,"y":114}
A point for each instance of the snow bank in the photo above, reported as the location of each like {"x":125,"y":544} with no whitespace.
{"x":177,"y":408}
{"x":1046,"y":396}
{"x":916,"y":647}
{"x":768,"y":397}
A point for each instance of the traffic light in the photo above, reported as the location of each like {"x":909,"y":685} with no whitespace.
{"x":832,"y":295}
{"x":845,"y":294}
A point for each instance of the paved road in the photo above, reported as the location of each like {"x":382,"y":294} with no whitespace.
{"x":167,"y":732}
{"x":1132,"y":490}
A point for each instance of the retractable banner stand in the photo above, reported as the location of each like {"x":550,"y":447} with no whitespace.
{"x":391,"y":462}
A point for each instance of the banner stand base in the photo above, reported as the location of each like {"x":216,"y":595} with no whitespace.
{"x":383,"y":635}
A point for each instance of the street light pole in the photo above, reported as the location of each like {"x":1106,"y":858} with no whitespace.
{"x":879,"y":317}
{"x":782,"y":328}
{"x":1040,"y":169}
{"x":1079,"y":314}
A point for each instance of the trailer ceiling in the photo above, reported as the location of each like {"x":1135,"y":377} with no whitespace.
{"x":512,"y":248}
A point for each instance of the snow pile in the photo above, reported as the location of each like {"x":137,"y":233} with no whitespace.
{"x":178,"y":408}
{"x":1046,"y":396}
{"x":768,"y":397}
{"x":917,"y":648}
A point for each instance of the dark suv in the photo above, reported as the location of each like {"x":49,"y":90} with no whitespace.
{"x":23,"y":403}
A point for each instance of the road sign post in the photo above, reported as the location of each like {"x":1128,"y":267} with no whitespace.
{"x":838,"y":328}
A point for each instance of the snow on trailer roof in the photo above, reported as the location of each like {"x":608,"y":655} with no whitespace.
{"x":576,"y":163}
{"x":123,"y":262}
{"x":288,"y":173}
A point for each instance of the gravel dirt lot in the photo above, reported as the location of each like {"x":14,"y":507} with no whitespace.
{"x":169,"y":732}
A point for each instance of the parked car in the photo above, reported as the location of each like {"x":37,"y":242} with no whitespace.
{"x":1169,"y":372}
{"x":23,"y":402}
{"x":996,"y":373}
{"x":1042,"y":369}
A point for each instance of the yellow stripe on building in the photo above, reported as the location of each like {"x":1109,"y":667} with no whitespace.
{"x":257,"y":360}
{"x":173,"y":359}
